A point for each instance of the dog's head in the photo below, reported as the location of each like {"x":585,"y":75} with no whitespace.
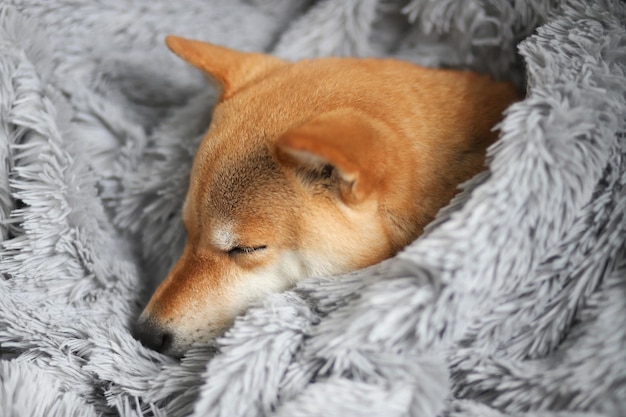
{"x":317,"y":167}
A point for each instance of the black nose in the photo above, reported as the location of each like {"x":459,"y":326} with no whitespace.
{"x":151,"y":335}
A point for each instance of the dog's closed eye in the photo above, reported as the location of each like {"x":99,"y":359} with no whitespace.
{"x":244,"y":250}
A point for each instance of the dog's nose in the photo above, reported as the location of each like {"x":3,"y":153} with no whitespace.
{"x":151,"y":335}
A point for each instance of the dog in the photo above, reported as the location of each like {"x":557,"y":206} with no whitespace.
{"x":312,"y":168}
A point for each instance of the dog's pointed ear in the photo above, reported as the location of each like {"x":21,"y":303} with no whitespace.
{"x":339,"y":149}
{"x":231,"y":69}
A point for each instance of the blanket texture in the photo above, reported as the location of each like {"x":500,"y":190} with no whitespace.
{"x":513,"y":303}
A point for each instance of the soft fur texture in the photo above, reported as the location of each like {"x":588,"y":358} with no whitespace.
{"x":513,"y":303}
{"x":313,"y":168}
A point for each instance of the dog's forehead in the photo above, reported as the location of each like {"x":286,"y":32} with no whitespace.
{"x":241,"y":182}
{"x":235,"y":174}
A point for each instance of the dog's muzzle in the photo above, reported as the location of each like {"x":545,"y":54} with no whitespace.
{"x":152,"y":335}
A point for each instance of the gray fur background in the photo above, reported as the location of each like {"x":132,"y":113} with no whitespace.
{"x":512,"y":304}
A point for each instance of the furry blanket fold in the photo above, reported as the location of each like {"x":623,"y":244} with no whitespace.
{"x":513,"y":303}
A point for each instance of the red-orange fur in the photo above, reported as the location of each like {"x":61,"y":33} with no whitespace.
{"x":333,"y":164}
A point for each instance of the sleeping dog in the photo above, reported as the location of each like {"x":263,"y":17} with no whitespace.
{"x":316,"y":167}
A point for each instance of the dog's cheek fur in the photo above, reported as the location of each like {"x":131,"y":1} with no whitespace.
{"x":283,"y":272}
{"x":339,"y":238}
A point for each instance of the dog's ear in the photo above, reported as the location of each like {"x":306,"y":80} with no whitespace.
{"x":231,"y":69}
{"x":339,"y":149}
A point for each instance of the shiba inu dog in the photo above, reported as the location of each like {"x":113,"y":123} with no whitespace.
{"x":316,"y":167}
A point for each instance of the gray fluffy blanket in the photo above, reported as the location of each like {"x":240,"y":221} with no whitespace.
{"x":512,"y":304}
